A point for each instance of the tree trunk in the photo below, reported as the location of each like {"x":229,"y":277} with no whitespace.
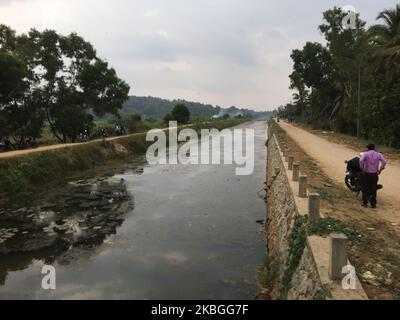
{"x":52,"y":128}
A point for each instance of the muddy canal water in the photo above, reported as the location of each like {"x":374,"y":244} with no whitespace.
{"x":147,"y":232}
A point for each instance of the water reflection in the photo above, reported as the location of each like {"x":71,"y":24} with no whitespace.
{"x":78,"y":218}
{"x":194,"y":234}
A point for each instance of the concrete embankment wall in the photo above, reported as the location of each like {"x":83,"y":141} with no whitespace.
{"x":297,"y":262}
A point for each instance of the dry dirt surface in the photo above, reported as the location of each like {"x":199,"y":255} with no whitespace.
{"x":17,"y":153}
{"x":331,"y":157}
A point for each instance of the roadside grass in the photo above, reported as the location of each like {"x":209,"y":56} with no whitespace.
{"x":297,"y":243}
{"x":374,"y":245}
{"x":326,"y":193}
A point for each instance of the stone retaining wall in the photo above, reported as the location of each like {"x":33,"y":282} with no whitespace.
{"x":282,"y":211}
{"x":297,"y":264}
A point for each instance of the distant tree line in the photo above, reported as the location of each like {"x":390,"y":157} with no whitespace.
{"x":326,"y":78}
{"x":46,"y":77}
{"x":158,"y":108}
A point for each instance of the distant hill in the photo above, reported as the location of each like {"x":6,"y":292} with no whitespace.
{"x":158,"y":108}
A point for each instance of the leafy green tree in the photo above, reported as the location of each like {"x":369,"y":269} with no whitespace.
{"x":70,"y":81}
{"x":315,"y":78}
{"x":167,"y":118}
{"x":60,"y":79}
{"x":25,"y":119}
{"x":180,"y":113}
{"x":326,"y":78}
{"x":7,"y":38}
{"x":350,"y":52}
{"x":72,"y":120}
{"x":17,"y":105}
{"x":4,"y":130}
{"x":386,"y":37}
{"x":12,"y":75}
{"x":12,"y":71}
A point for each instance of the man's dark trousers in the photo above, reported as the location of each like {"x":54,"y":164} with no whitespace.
{"x":369,"y":187}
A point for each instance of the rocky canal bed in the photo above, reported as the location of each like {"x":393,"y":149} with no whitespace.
{"x":183,"y":240}
{"x":82,"y":215}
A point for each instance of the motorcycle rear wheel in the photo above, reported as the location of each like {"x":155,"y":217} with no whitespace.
{"x":350,"y":185}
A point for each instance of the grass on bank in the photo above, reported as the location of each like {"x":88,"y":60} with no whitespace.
{"x":374,"y":245}
{"x":23,"y":174}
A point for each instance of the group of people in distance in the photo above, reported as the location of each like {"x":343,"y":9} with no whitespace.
{"x":30,"y":142}
{"x":23,"y":143}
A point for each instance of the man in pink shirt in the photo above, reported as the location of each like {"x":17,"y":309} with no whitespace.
{"x":372,"y":163}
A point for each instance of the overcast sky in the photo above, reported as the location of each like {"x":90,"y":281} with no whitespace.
{"x":223,"y":52}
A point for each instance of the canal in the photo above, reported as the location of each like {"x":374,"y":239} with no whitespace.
{"x":142,"y":232}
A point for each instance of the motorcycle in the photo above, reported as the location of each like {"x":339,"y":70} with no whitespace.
{"x":84,"y":137}
{"x":353,"y":175}
{"x":6,"y":146}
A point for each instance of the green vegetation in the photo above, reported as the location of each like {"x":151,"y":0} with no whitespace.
{"x":133,"y":124}
{"x":54,"y":88}
{"x":326,"y":78}
{"x":180,"y":113}
{"x":25,"y":173}
{"x":324,"y":227}
{"x":151,"y":107}
{"x":323,"y":294}
{"x":48,"y":77}
{"x":297,"y":243}
{"x":36,"y":170}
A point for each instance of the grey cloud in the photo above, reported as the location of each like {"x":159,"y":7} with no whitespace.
{"x":8,"y":2}
{"x":226,"y":52}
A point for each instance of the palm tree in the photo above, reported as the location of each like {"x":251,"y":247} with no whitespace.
{"x":386,"y":37}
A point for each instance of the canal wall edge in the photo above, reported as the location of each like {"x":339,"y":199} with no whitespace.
{"x":297,"y":264}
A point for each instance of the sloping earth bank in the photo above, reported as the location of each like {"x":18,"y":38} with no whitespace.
{"x":373,"y":234}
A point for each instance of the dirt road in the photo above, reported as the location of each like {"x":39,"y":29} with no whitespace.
{"x":17,"y":153}
{"x":57,"y":146}
{"x":331,"y":157}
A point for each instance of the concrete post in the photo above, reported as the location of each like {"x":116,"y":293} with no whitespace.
{"x":291,"y":160}
{"x":314,"y":200}
{"x":284,"y":150}
{"x":337,"y":255}
{"x":287,"y":155}
{"x":303,"y":187}
{"x":296,"y":171}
